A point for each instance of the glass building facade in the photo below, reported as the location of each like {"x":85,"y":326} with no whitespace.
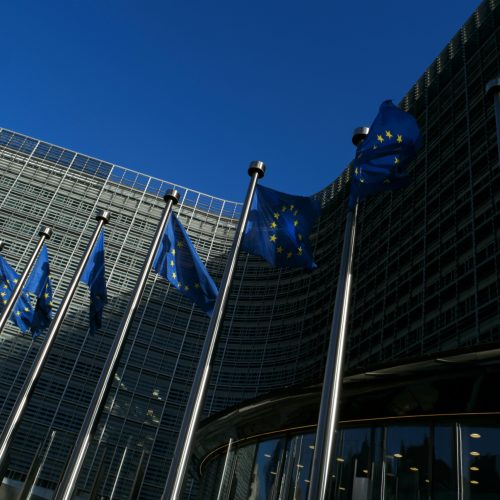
{"x":427,"y":429}
{"x":432,"y":460}
{"x":426,"y":282}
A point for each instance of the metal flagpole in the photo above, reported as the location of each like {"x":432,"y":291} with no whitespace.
{"x":45,"y":234}
{"x":69,"y":478}
{"x":182,"y":453}
{"x":224,"y":470}
{"x":493,"y":91}
{"x":332,"y":381}
{"x":29,"y":385}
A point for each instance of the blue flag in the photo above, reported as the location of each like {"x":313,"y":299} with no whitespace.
{"x":40,"y":285}
{"x":22,"y":314}
{"x":177,"y":261}
{"x":279,"y":228}
{"x":381,"y":159}
{"x":94,"y":276}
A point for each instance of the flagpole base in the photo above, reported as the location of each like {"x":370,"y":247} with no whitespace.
{"x":258,"y":167}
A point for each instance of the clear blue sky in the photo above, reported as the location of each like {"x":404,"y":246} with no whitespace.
{"x":190,"y":91}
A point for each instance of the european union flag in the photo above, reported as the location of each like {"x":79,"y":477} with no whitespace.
{"x":94,"y":276}
{"x":279,"y":227}
{"x":381,"y":159}
{"x":22,"y":314}
{"x":40,"y":285}
{"x":177,"y":261}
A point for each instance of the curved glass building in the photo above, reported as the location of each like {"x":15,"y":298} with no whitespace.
{"x":423,"y":337}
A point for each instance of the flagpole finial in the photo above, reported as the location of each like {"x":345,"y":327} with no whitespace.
{"x":257,"y":166}
{"x":103,"y":215}
{"x":45,"y":231}
{"x":2,"y":245}
{"x":172,"y":194}
{"x":359,"y":134}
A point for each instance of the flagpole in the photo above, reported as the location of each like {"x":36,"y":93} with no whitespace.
{"x":493,"y":91}
{"x":332,"y":381}
{"x":182,"y":453}
{"x":45,"y":234}
{"x":69,"y":478}
{"x":30,"y":383}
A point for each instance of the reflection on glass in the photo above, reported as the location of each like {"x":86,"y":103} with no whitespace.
{"x":267,"y":466}
{"x":395,"y":462}
{"x":444,"y":470}
{"x":354,"y":460}
{"x":240,"y":482}
{"x":481,"y":462}
{"x":408,"y":467}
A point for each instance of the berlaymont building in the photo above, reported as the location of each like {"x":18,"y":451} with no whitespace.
{"x":420,"y":413}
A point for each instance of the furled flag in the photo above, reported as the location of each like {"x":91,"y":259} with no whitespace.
{"x":381,"y":159}
{"x":94,"y":276}
{"x":22,"y":314}
{"x":177,"y":261}
{"x":279,"y":228}
{"x":40,"y":285}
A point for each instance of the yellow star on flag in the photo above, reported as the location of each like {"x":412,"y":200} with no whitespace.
{"x":399,"y":138}
{"x":273,"y":225}
{"x":388,"y":134}
{"x":272,"y":238}
{"x":279,"y":249}
{"x":380,"y":138}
